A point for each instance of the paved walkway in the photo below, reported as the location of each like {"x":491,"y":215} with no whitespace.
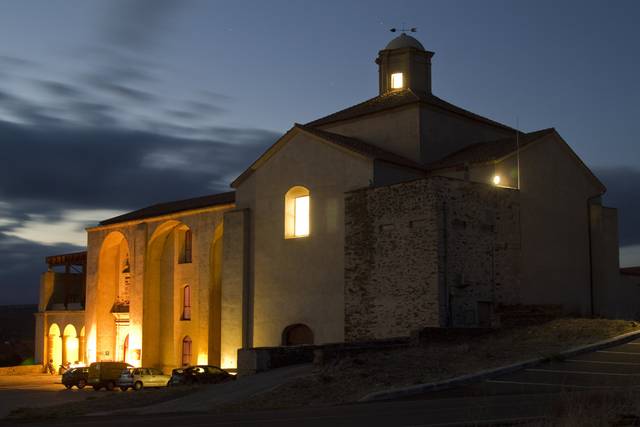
{"x":242,"y":388}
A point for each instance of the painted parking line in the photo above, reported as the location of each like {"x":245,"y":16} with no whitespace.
{"x":557,"y":371}
{"x":618,"y":352}
{"x":602,"y":362}
{"x":546,"y":384}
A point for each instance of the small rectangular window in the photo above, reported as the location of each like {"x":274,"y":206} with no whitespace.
{"x":397,"y":81}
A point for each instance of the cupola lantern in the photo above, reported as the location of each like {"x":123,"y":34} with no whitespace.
{"x":404,"y":64}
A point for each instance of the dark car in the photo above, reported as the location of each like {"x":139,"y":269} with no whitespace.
{"x":75,"y":377}
{"x":201,"y":374}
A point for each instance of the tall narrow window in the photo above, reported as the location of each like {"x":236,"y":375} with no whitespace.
{"x":186,"y":303}
{"x":186,"y":247}
{"x":297,"y":213}
{"x":186,"y":351}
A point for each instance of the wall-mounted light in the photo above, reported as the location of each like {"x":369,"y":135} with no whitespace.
{"x":496,"y":180}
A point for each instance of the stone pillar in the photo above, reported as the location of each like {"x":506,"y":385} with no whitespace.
{"x":64,"y":348}
{"x":82,"y":346}
{"x":50,"y":345}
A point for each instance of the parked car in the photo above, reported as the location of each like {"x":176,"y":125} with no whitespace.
{"x":201,"y":374}
{"x":105,"y":374}
{"x":76,"y":377}
{"x":138,"y":378}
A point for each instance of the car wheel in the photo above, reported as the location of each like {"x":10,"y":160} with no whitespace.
{"x":81,"y":384}
{"x":123,"y":388}
{"x":137,"y":386}
{"x":111,"y":385}
{"x":68,"y":386}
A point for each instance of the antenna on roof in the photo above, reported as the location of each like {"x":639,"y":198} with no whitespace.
{"x":518,"y":148}
{"x":403,"y":29}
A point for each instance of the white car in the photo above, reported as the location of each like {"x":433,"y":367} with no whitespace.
{"x":139,"y":378}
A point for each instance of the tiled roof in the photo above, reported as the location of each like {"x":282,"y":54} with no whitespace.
{"x":630,"y":271}
{"x":489,"y":150}
{"x":361,"y":147}
{"x":396,"y":99}
{"x":175,"y":206}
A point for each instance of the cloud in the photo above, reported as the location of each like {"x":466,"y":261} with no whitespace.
{"x":21,"y":263}
{"x":54,"y":181}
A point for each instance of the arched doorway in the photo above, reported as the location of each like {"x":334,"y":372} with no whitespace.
{"x":297,"y":334}
{"x":112,"y":309}
{"x":54,"y":346}
{"x":170,"y":249}
{"x":70,"y":345}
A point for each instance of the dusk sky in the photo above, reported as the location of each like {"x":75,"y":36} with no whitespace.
{"x":108,"y":106}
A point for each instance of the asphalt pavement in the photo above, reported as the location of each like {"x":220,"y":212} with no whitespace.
{"x":524,"y":395}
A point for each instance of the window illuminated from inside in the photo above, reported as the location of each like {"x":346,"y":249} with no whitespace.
{"x":297,"y":213}
{"x":301,"y":227}
{"x":396,"y":81}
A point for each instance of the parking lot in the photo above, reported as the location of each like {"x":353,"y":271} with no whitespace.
{"x":610,"y":368}
{"x":20,"y":391}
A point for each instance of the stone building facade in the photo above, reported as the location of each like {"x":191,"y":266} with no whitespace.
{"x":429,"y":252}
{"x":400,"y":212}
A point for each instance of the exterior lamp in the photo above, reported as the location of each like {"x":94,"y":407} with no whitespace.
{"x":496,"y":180}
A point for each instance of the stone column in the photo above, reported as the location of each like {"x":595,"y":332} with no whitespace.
{"x":82,"y":348}
{"x":64,"y":348}
{"x":50,"y":345}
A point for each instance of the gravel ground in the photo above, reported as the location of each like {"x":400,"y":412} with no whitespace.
{"x":351,"y":378}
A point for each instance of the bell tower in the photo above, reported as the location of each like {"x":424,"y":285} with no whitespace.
{"x":404,"y":64}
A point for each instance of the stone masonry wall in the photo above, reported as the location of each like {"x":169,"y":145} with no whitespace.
{"x":430,"y":252}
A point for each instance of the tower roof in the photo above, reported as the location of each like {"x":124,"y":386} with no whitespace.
{"x":403,"y":41}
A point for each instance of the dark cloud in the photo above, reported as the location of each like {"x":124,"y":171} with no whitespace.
{"x":21,"y":263}
{"x":116,"y":168}
{"x":126,"y":92}
{"x":59,"y":89}
{"x":623,"y":193}
{"x":45,"y":171}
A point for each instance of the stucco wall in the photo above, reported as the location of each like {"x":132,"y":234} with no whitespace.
{"x":300,"y":280}
{"x":443,"y":133}
{"x":397,"y":131}
{"x":555,"y":190}
{"x":424,"y":253}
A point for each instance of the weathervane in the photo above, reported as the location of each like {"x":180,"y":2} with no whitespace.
{"x":404,"y":30}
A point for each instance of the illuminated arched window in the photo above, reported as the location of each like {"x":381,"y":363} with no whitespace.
{"x":186,"y":303}
{"x":186,"y":351}
{"x":297,"y":204}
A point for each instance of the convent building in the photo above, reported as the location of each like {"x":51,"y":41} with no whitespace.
{"x":401,"y":212}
